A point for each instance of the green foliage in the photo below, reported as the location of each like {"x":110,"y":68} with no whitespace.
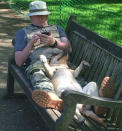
{"x":101,"y":16}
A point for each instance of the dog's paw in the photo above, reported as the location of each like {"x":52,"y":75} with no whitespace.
{"x":85,"y":63}
{"x":43,"y":59}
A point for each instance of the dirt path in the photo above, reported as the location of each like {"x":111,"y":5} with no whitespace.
{"x":16,"y":114}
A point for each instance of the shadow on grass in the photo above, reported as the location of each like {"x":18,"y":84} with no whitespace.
{"x":13,"y":24}
{"x":9,"y":24}
{"x":4,"y":54}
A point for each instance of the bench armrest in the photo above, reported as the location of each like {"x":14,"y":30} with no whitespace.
{"x":74,"y":97}
{"x":71,"y":98}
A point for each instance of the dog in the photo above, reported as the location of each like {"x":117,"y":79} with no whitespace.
{"x":55,"y":68}
{"x":63,"y":78}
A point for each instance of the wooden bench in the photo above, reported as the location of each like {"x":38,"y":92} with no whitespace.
{"x":105,"y":59}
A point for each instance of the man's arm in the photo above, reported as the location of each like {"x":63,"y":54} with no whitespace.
{"x":22,"y":55}
{"x":64,"y":44}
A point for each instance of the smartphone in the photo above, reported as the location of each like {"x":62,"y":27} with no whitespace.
{"x":46,"y":33}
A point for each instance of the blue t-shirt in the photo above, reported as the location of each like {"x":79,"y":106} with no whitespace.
{"x":20,"y":40}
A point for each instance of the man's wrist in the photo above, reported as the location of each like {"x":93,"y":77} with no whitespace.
{"x":55,"y":44}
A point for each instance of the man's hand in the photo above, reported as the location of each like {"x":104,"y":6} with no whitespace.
{"x":47,"y":39}
{"x":34,"y":39}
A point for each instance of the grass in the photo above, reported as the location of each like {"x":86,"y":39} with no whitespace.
{"x":101,"y":16}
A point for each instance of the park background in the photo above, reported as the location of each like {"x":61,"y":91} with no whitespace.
{"x":101,"y":16}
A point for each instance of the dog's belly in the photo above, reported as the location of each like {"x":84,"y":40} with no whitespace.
{"x":64,"y":80}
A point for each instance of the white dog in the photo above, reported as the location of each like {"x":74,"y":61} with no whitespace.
{"x":63,"y":78}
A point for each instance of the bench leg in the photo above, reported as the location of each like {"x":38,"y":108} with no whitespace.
{"x":10,"y":86}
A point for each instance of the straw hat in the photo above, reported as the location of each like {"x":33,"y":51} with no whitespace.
{"x":38,"y":8}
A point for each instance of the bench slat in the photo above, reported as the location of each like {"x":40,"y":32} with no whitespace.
{"x":52,"y":114}
{"x":102,"y":62}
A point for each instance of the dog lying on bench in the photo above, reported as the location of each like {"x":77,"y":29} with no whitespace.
{"x":63,"y":78}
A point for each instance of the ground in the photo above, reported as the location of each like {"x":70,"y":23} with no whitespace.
{"x":16,"y":114}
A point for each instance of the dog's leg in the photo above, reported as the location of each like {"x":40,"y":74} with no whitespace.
{"x":80,"y":68}
{"x":49,"y":70}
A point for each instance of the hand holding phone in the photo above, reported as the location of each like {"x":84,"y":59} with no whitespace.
{"x":46,"y":33}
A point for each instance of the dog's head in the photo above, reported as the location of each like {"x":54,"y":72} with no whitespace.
{"x":60,"y":58}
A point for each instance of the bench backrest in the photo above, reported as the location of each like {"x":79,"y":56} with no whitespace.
{"x":104,"y":56}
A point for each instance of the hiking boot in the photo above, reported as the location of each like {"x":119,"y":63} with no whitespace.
{"x":47,"y":100}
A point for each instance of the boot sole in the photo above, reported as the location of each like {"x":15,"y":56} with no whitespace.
{"x":43,"y":99}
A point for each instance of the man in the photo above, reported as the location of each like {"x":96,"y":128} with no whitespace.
{"x":28,"y":48}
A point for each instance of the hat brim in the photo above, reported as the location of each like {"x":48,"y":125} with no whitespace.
{"x":39,"y":13}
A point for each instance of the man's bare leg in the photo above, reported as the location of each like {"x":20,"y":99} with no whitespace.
{"x":106,"y":90}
